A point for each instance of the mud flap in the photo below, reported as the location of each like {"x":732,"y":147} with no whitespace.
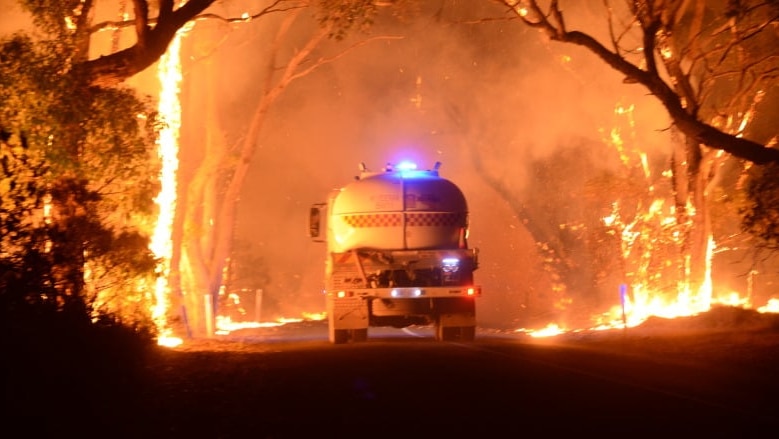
{"x":455,"y":319}
{"x":347,"y":319}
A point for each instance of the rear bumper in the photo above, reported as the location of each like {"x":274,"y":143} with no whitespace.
{"x":406,"y":292}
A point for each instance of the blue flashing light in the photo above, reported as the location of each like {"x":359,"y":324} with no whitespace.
{"x":450,"y":265}
{"x":408,"y":169}
{"x":406,"y":166}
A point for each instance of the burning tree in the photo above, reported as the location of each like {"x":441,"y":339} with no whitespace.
{"x":712,"y":66}
{"x":156,"y":26}
{"x":205,"y":237}
{"x":86,"y":226}
{"x":95,"y":139}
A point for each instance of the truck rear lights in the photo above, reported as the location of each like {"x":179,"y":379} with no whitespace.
{"x":406,"y":292}
{"x":471,"y":291}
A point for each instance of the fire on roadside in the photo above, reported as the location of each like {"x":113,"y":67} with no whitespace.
{"x":639,"y":243}
{"x":225,"y":324}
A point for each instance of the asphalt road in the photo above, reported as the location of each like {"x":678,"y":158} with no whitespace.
{"x":293,"y":383}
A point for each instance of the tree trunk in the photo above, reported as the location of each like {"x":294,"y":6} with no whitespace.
{"x":214,"y":191}
{"x":200,"y":268}
{"x":692,"y":218}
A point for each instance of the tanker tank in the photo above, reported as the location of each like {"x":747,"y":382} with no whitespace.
{"x":400,"y":208}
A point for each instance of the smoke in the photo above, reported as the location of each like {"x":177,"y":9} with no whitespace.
{"x":14,"y":18}
{"x":484,"y":98}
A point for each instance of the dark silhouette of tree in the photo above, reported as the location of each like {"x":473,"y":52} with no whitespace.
{"x":25,"y":265}
{"x":761,"y":208}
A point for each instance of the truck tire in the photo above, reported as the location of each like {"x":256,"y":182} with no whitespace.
{"x":467,"y":333}
{"x":455,"y":333}
{"x":359,"y":335}
{"x":342,"y":336}
{"x":445,"y":333}
{"x":339,"y":336}
{"x":448,"y":333}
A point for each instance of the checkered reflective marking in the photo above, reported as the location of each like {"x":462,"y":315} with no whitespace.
{"x":422,"y":219}
{"x":446,"y":219}
{"x":373,"y":220}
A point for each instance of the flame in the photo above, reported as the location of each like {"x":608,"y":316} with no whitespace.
{"x":771,"y":306}
{"x":169,"y":75}
{"x":314,"y":315}
{"x":549,"y":330}
{"x":225,"y":324}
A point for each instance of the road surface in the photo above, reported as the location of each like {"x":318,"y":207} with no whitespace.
{"x":290,"y":382}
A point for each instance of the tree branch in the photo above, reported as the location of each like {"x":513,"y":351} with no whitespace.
{"x":151,"y":42}
{"x":687,"y":123}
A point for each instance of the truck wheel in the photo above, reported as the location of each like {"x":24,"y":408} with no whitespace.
{"x":467,"y":333}
{"x":446,"y":333}
{"x":359,"y":335}
{"x":455,"y":333}
{"x":339,"y":336}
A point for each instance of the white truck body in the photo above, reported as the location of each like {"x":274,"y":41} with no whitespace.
{"x":397,"y":255}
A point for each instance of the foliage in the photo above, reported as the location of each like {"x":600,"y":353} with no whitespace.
{"x":86,"y":152}
{"x":25,"y":266}
{"x":76,"y":190}
{"x":760,"y":211}
{"x":38,"y":253}
{"x":344,"y":16}
{"x":54,"y":352}
{"x":49,"y":15}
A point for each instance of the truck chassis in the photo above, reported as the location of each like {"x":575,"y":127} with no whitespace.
{"x":401,"y":288}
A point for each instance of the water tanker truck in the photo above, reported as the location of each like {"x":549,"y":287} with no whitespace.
{"x":397,"y":254}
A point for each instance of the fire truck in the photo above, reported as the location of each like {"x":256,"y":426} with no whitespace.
{"x":397,"y":254}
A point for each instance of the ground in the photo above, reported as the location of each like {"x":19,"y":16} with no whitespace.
{"x":217,"y":379}
{"x":722,"y":334}
{"x":718,"y":332}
